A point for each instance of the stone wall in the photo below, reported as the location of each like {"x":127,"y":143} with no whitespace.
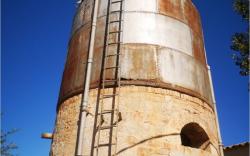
{"x":152,"y":120}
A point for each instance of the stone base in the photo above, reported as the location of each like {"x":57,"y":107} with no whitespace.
{"x":152,"y":120}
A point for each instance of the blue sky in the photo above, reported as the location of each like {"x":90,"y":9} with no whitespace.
{"x":34,"y":38}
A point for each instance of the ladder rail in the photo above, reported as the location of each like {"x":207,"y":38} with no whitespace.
{"x":103,"y":75}
{"x":114,"y":111}
{"x":119,"y":73}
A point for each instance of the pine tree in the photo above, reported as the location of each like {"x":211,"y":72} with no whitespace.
{"x":240,"y":41}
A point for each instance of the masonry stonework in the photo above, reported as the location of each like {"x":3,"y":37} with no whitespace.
{"x":152,"y":119}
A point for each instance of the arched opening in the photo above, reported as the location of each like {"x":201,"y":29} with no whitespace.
{"x":193,"y":135}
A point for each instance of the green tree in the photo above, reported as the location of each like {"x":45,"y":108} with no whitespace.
{"x":240,"y":41}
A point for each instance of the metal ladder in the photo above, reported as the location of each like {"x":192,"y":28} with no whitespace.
{"x":108,"y":113}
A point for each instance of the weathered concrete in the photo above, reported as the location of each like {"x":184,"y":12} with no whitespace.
{"x":152,"y":119}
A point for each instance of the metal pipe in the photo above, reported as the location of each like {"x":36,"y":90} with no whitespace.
{"x":215,"y":110}
{"x":214,"y":101}
{"x":85,"y":96}
{"x":47,"y":136}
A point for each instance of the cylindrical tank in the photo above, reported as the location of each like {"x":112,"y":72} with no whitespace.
{"x":165,"y":97}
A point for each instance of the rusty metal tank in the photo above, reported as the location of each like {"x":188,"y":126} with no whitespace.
{"x":163,"y":47}
{"x":166,"y":99}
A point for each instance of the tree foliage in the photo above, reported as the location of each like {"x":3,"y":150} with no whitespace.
{"x":240,"y":41}
{"x":7,"y":147}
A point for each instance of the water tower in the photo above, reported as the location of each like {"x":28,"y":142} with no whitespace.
{"x":142,"y":69}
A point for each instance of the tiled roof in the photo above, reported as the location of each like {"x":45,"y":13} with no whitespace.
{"x":236,"y":146}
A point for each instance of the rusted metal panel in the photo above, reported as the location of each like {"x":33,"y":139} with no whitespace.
{"x":192,"y":17}
{"x":78,"y":20}
{"x":157,"y":29}
{"x":186,"y":12}
{"x":83,"y":15}
{"x":172,"y":8}
{"x":182,"y":70}
{"x":138,"y":5}
{"x":73,"y":76}
{"x":162,"y":48}
{"x":102,"y":8}
{"x":183,"y":10}
{"x":88,"y":10}
{"x":198,"y":48}
{"x":74,"y":72}
{"x":160,"y":64}
{"x":139,"y":61}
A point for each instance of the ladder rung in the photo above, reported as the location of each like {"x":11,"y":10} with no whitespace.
{"x":115,"y":21}
{"x":109,"y":96}
{"x":107,"y":127}
{"x":106,"y":86}
{"x":114,"y":43}
{"x":108,"y":144}
{"x":115,"y":67}
{"x":116,"y":2}
{"x":114,"y":80}
{"x":107,"y":111}
{"x":116,"y":11}
{"x":113,"y":32}
{"x":112,"y":55}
